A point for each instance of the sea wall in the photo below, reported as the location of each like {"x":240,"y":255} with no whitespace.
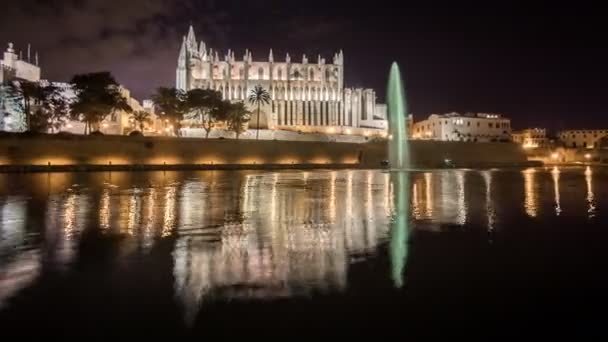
{"x":428,"y":153}
{"x":102,"y":152}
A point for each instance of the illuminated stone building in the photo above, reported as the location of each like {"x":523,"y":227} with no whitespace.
{"x":305,"y":95}
{"x":480,"y":127}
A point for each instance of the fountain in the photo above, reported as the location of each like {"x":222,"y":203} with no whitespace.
{"x":398,"y":146}
{"x":399,"y":159}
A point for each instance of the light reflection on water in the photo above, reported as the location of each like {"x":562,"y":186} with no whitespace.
{"x":269,"y":235}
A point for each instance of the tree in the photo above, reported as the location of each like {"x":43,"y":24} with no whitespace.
{"x":203,"y":105}
{"x":51,"y":112}
{"x":238,"y":115}
{"x":44,"y":106}
{"x":141,"y":117}
{"x":258,"y":97}
{"x":170,"y":102}
{"x":97,"y":96}
{"x":23,"y":94}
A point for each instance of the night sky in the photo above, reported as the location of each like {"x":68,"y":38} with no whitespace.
{"x":541,"y":65}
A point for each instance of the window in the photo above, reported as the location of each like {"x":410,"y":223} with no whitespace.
{"x":468,"y":123}
{"x":260,"y":73}
{"x":327,"y":75}
{"x":311,"y":74}
{"x":279,"y":74}
{"x":585,"y":144}
{"x":241,"y":74}
{"x":477,"y":123}
{"x":490,"y":125}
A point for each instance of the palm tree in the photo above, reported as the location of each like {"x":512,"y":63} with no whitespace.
{"x":141,"y":117}
{"x":258,"y":97}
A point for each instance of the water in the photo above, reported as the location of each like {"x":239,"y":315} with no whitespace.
{"x":439,"y":252}
{"x":398,"y":146}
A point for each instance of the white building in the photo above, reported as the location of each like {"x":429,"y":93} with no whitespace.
{"x":531,"y":137}
{"x":479,"y":127}
{"x":14,"y":67}
{"x":582,"y":138}
{"x":305,"y":96}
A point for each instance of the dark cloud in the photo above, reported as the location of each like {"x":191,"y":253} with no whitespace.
{"x":538,"y":64}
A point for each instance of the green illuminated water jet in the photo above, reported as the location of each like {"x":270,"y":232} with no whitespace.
{"x":399,"y":159}
{"x":398,"y":146}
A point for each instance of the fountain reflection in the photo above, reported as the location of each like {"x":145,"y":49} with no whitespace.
{"x":399,"y":227}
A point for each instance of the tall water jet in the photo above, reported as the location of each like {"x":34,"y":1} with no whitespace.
{"x":399,"y":159}
{"x":398,"y":146}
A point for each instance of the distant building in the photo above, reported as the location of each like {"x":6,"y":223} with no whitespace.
{"x":582,"y":138}
{"x":480,"y":127}
{"x":305,"y":95}
{"x":531,"y":137}
{"x":14,"y":67}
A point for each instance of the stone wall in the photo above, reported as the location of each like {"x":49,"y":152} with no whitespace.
{"x":18,"y":149}
{"x":428,"y":153}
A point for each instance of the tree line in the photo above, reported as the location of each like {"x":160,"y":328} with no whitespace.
{"x":96,"y":96}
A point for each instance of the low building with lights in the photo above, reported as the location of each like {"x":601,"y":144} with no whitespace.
{"x":480,"y":127}
{"x":305,"y":96}
{"x":582,"y":138}
{"x":531,"y":137}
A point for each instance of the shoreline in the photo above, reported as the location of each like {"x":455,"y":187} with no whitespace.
{"x":229,"y":167}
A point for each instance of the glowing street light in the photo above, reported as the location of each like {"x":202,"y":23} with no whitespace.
{"x":554,"y":155}
{"x":587,"y":156}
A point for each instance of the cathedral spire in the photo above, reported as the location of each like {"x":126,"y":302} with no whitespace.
{"x":202,"y":48}
{"x":270,"y":57}
{"x":36,"y":58}
{"x":287,"y":58}
{"x":182,"y":50}
{"x":29,"y":53}
{"x":304,"y":59}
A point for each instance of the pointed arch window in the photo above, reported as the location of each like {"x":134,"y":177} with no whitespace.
{"x":260,"y":74}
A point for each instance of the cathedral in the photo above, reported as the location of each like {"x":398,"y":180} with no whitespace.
{"x":305,"y":95}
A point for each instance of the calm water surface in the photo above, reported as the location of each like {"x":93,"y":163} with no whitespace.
{"x":438,"y":252}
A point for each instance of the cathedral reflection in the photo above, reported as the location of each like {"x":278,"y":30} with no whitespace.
{"x":287,"y":242}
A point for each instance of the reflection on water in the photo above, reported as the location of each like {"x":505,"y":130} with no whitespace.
{"x":555,"y":175}
{"x":590,"y":195}
{"x":530,"y":192}
{"x":267,"y":235}
{"x":400,"y":227}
